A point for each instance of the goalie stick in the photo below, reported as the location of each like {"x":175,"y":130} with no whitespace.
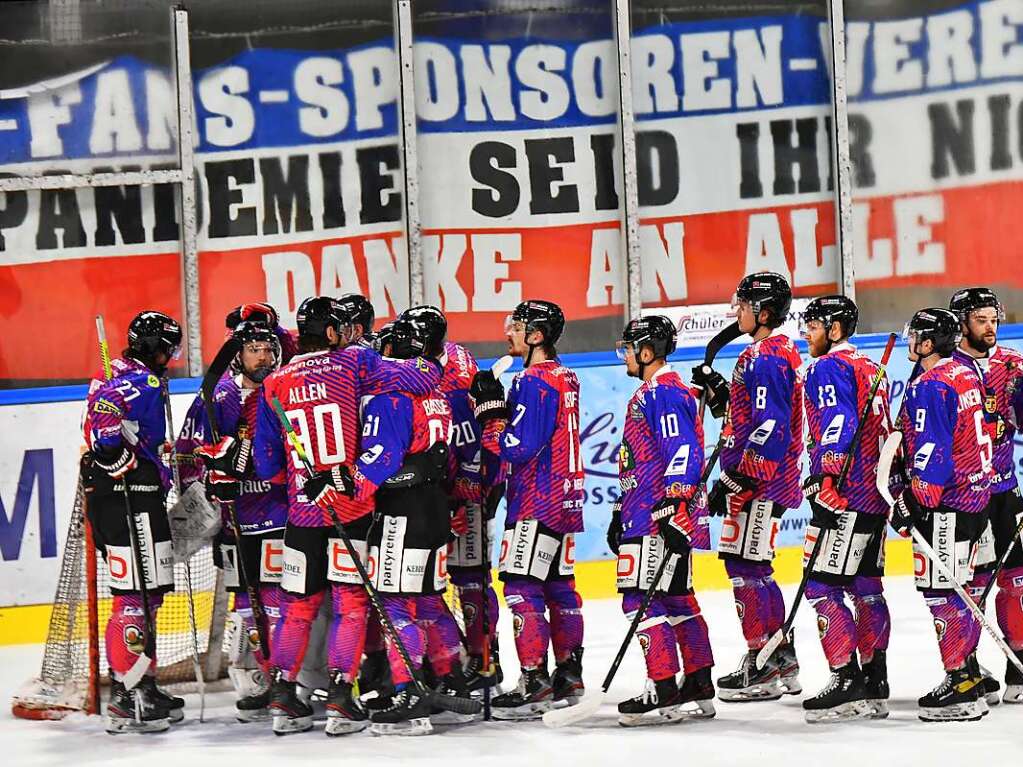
{"x":592,"y":702}
{"x":447,"y":702}
{"x":884,"y":467}
{"x":778,"y":636}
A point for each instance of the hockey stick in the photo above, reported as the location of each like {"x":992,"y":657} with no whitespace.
{"x":147,"y":656}
{"x":591,"y":702}
{"x":884,"y":467}
{"x":176,"y":478}
{"x":778,"y":637}
{"x":447,"y":702}
{"x":1000,"y":566}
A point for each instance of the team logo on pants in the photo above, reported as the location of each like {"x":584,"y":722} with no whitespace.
{"x":134,"y":639}
{"x":740,"y":609}
{"x":939,"y":628}
{"x":517,"y":624}
{"x":469,"y":613}
{"x":823,"y":622}
{"x":644,"y":642}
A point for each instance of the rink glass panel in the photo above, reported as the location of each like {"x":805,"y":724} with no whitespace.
{"x":936,"y":120}
{"x":519,"y":165}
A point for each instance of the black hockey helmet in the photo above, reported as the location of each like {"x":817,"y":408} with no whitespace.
{"x":970,"y":299}
{"x":250,"y":331}
{"x":940,"y":326}
{"x":765,"y":290}
{"x":383,"y":337}
{"x":151,"y":332}
{"x":544,"y":316}
{"x":252,"y":312}
{"x":318,"y":313}
{"x":829,"y":309}
{"x":359,"y":310}
{"x":433,"y":319}
{"x":414,"y":337}
{"x":655,"y":331}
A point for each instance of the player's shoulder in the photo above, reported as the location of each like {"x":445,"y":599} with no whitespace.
{"x":459,"y":368}
{"x":1006,"y":355}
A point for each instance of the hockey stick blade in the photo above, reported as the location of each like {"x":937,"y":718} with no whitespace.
{"x":768,"y":649}
{"x":885,"y":461}
{"x":217,"y":369}
{"x":501,"y":365}
{"x":455,"y":704}
{"x":725,"y":336}
{"x":584,"y":709}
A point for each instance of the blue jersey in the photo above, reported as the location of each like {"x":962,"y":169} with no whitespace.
{"x":662,"y":455}
{"x":129,"y":409}
{"x":836,"y":388}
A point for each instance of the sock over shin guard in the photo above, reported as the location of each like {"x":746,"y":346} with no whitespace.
{"x":654,"y":635}
{"x":565,"y":607}
{"x":955,"y":626}
{"x":126,"y":631}
{"x":347,"y":637}
{"x":294,"y":629}
{"x":443,"y":642}
{"x":836,"y":626}
{"x":873,"y":621}
{"x":758,"y":600}
{"x":525,"y":598}
{"x":690,"y":631}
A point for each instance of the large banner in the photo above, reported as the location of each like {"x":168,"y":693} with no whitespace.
{"x":38,"y":468}
{"x":300,"y":183}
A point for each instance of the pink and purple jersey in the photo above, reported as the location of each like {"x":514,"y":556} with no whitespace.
{"x":540,"y":443}
{"x":764,"y":427}
{"x":394,"y":426}
{"x":262,"y":505}
{"x":128,"y":410}
{"x":948,"y":444}
{"x":473,"y":470}
{"x":999,"y":372}
{"x":835,"y":390}
{"x":662,"y":455}
{"x":320,"y":393}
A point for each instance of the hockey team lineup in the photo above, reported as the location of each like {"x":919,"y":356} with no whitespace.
{"x":357,"y":471}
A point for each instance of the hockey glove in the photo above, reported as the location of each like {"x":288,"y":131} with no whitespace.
{"x":716,"y":387}
{"x":614,"y":528}
{"x":222,"y":487}
{"x":228,"y":456}
{"x":459,"y":519}
{"x":730,"y":493}
{"x":487,"y":395}
{"x":117,"y":462}
{"x":325,"y":488}
{"x":825,"y":502}
{"x":254,"y":312}
{"x":674,"y":524}
{"x":907,"y":513}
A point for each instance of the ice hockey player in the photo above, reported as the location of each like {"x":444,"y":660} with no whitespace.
{"x":474,"y":490}
{"x":537,"y":432}
{"x":853,"y":518}
{"x":261,"y":508}
{"x":265,"y":314}
{"x":948,"y":461}
{"x":125,"y":429}
{"x":1000,"y":370}
{"x":662,"y":513}
{"x":320,"y":390}
{"x":403,"y":467}
{"x":759,"y":477}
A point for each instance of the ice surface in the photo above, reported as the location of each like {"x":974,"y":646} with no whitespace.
{"x":748,"y":734}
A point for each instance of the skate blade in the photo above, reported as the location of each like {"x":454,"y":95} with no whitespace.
{"x":124,"y":726}
{"x":408,"y":728}
{"x":451,"y":717}
{"x":342,"y":725}
{"x":846,"y":712}
{"x":252,"y":715}
{"x":960,"y":712}
{"x":289,"y":725}
{"x":769,"y":691}
{"x":694,"y":709}
{"x":525,"y":713}
{"x":1013,"y":694}
{"x":790,"y":684}
{"x":878,"y":708}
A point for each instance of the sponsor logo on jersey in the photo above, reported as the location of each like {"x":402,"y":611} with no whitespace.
{"x":763,"y":432}
{"x":106,"y":406}
{"x":626,"y":461}
{"x":834,"y":430}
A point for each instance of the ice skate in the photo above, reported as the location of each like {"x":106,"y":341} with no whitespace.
{"x":658,"y":698}
{"x":134,"y":711}
{"x":406,"y":713}
{"x":344,"y":714}
{"x":747,"y":683}
{"x":695,"y":697}
{"x":290,"y":713}
{"x":567,"y":679}
{"x":957,"y":699}
{"x":842,"y":699}
{"x":529,"y":700}
{"x":875,"y":683}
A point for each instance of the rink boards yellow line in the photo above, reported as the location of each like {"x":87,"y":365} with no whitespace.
{"x":595,"y":580}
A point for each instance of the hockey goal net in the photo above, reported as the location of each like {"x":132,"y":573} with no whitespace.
{"x":74,"y":658}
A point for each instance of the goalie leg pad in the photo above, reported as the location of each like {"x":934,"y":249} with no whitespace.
{"x":525,"y":598}
{"x":443,"y":643}
{"x":653,"y":634}
{"x":835,"y":625}
{"x":347,"y":637}
{"x":756,"y":602}
{"x":126,"y":631}
{"x":873,"y":620}
{"x":690,"y":632}
{"x":955,"y":626}
{"x":1009,"y":606}
{"x":565,"y":606}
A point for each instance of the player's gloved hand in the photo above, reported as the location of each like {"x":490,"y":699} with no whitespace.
{"x":730,"y":493}
{"x":907,"y":513}
{"x":674,"y":524}
{"x":253,"y":312}
{"x":825,"y":501}
{"x":487,"y":394}
{"x":459,"y":519}
{"x":116,"y":462}
{"x":222,"y":487}
{"x":614,"y":528}
{"x":228,"y":456}
{"x":714,"y":384}
{"x":325,"y":488}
